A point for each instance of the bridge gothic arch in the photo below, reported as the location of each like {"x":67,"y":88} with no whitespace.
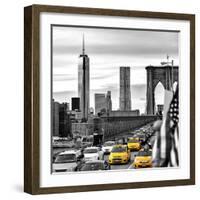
{"x":156,"y":74}
{"x":159,"y":91}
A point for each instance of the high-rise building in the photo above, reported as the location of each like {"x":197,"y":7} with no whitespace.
{"x":55,"y":118}
{"x":100,"y":103}
{"x":108,"y":102}
{"x":125,"y":90}
{"x":84,"y":83}
{"x":64,"y":120}
{"x":75,"y":102}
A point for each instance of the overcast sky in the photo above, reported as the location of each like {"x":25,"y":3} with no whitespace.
{"x":108,"y":49}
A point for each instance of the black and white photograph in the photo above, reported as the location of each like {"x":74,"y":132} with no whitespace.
{"x":114,"y":99}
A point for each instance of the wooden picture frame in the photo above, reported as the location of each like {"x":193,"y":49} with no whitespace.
{"x":32,"y":97}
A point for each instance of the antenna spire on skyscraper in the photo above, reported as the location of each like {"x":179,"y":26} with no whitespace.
{"x":83,"y":50}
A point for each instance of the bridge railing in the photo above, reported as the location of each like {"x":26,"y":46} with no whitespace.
{"x":112,"y":126}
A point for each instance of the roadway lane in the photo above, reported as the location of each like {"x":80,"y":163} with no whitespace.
{"x":145,"y":129}
{"x":133,"y":153}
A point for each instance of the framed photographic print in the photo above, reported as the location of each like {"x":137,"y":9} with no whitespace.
{"x":109,"y":99}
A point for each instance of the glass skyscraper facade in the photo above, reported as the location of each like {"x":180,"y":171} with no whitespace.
{"x":84,"y":83}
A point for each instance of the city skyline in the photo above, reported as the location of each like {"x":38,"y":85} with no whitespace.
{"x":108,"y":49}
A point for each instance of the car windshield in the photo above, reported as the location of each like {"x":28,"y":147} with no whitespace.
{"x":65,"y":158}
{"x":119,"y":149}
{"x":92,"y":166}
{"x":107,"y":144}
{"x":133,"y":140}
{"x":144,"y":153}
{"x":90,"y":151}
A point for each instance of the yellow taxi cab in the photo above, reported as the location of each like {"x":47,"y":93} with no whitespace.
{"x":143,"y":159}
{"x":134,"y":144}
{"x":120,"y":154}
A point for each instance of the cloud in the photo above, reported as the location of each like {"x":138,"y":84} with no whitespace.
{"x":63,"y":77}
{"x":116,"y":42}
{"x":101,"y":77}
{"x":138,"y":89}
{"x":66,"y":49}
{"x":63,"y":61}
{"x":131,"y":49}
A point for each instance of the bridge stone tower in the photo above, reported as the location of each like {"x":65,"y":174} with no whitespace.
{"x":156,"y":74}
